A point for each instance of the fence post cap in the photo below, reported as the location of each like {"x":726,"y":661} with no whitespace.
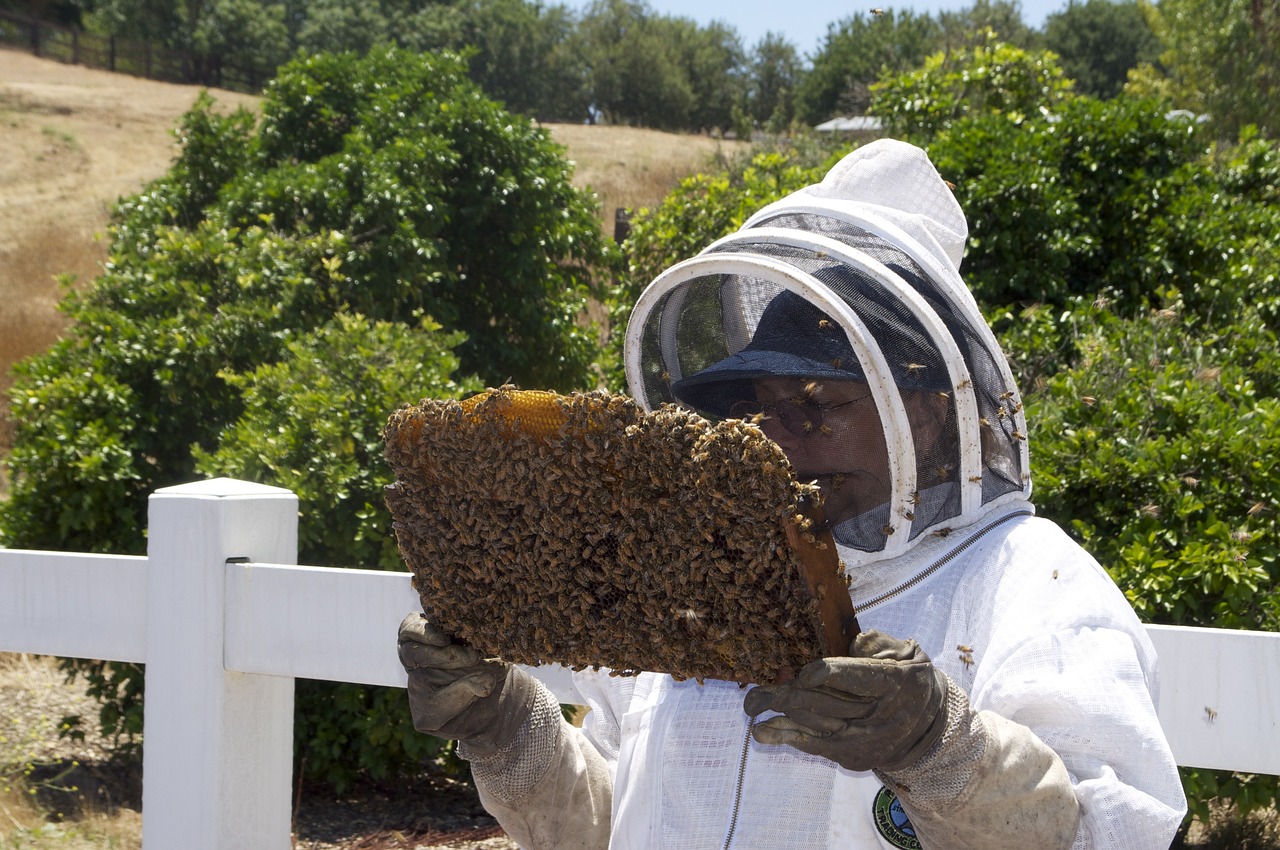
{"x":223,"y":488}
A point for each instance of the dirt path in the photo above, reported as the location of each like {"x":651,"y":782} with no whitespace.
{"x":81,"y":789}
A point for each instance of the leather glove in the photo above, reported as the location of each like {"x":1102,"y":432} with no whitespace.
{"x":455,"y":693}
{"x":881,"y":708}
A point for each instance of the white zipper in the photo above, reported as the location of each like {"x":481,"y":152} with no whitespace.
{"x":938,"y":564}
{"x":742,"y":772}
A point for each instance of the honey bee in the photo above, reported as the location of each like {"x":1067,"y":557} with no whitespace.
{"x":1255,"y":509}
{"x":966,"y":655}
{"x":1055,"y":575}
{"x":824,"y":324}
{"x":877,"y":11}
{"x":1210,"y":713}
{"x":944,"y":532}
{"x":837,"y":363}
{"x":975,"y":479}
{"x":811,"y":388}
{"x":888,"y":530}
{"x":1088,"y":400}
{"x":666,"y":377}
{"x":914,"y":369}
{"x":914,"y":498}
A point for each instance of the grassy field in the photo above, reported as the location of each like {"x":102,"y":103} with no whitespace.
{"x":76,"y":140}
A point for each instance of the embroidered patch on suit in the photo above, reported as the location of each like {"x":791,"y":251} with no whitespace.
{"x":892,"y":822}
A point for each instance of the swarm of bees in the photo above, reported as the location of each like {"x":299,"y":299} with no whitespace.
{"x":582,"y":530}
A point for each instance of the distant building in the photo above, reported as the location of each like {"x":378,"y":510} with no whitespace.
{"x":851,"y":124}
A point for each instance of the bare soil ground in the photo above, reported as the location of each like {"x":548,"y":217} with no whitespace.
{"x":58,"y":794}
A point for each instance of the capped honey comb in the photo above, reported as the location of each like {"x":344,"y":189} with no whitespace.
{"x":582,"y":530}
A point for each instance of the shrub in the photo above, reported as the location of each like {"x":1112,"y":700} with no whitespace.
{"x":312,"y":424}
{"x":306,"y":273}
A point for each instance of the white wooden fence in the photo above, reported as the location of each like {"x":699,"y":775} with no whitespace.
{"x":225,"y":621}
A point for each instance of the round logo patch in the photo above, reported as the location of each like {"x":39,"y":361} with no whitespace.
{"x":892,"y":822}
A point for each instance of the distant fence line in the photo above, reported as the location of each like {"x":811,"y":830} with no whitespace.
{"x":74,"y":46}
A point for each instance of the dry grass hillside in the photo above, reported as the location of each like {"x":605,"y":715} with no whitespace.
{"x":76,"y":139}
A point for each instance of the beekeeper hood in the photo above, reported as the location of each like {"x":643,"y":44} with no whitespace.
{"x":852,"y":283}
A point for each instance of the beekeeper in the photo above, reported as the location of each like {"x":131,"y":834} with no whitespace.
{"x":1001,"y":694}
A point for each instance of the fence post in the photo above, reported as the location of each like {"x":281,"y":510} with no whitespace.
{"x":217,"y":745}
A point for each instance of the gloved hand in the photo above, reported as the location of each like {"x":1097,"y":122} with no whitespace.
{"x":881,"y":708}
{"x":455,"y":693}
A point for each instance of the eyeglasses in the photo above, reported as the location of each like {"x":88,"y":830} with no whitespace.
{"x":801,"y":417}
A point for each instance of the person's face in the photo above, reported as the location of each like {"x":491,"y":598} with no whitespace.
{"x":826,"y":428}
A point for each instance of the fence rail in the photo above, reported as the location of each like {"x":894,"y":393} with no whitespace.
{"x":74,"y":46}
{"x":225,"y":620}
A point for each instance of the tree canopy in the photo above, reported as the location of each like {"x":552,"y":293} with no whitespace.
{"x":1098,"y":41}
{"x":622,"y":62}
{"x":385,"y":232}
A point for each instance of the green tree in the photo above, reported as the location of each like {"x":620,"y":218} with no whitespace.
{"x":990,"y":77}
{"x":242,"y":34}
{"x":970,"y":26}
{"x":773,"y":79}
{"x":155,"y":21}
{"x":338,"y":25}
{"x":634,"y":73}
{"x":1222,"y":59}
{"x":714,"y":64}
{"x":376,"y":198}
{"x":1098,"y":41}
{"x":856,"y":52}
{"x":521,"y":54}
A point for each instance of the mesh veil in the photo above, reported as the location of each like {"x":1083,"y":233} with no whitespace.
{"x":821,"y":292}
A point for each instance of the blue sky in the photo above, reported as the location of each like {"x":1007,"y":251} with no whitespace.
{"x":804,"y":22}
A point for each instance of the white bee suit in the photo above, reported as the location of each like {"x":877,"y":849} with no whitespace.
{"x":1053,"y":739}
{"x":1055,"y":649}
